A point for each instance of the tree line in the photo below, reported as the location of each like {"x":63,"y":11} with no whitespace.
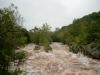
{"x":83,"y":35}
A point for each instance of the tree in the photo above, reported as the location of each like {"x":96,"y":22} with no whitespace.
{"x":11,"y":35}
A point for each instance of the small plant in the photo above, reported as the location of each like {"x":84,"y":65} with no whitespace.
{"x":20,"y":56}
{"x":47,"y":48}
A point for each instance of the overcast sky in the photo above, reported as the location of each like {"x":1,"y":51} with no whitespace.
{"x":56,"y":13}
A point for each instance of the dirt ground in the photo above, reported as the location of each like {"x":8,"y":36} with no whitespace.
{"x":58,"y":62}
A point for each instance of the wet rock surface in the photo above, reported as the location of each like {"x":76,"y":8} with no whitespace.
{"x":58,"y":62}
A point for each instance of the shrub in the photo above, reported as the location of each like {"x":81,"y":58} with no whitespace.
{"x":21,"y":56}
{"x":47,"y":48}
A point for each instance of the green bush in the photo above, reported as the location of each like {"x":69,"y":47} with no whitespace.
{"x":47,"y":48}
{"x":12,"y":35}
{"x":21,"y":56}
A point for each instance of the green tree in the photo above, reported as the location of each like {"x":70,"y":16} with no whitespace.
{"x":12,"y":35}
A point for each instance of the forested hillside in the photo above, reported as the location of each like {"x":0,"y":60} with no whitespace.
{"x":83,"y":35}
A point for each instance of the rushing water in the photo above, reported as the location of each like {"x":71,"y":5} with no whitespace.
{"x":58,"y":62}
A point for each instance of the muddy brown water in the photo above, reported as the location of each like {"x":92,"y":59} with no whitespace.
{"x":60,"y":61}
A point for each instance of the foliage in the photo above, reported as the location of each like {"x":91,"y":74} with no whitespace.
{"x":21,"y":56}
{"x":82,"y":35}
{"x":41,"y":36}
{"x":47,"y":48}
{"x":12,"y":35}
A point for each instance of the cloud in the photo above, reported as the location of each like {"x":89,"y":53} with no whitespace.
{"x":55,"y":12}
{"x":4,"y":3}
